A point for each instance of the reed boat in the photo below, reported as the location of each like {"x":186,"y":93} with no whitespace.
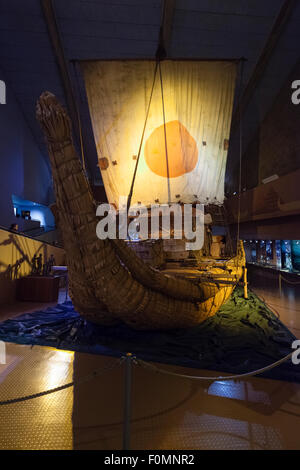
{"x":109,"y":281}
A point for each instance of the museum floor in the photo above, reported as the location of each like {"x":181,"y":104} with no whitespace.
{"x":168,"y":412}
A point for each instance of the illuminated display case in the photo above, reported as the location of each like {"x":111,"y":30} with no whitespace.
{"x":295,"y":249}
{"x":286,"y":255}
{"x":280,"y":254}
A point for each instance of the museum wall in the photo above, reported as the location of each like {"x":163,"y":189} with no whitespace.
{"x":278,"y":198}
{"x":24,"y":170}
{"x":16,"y":253}
{"x":274,"y":148}
{"x":284,"y":228}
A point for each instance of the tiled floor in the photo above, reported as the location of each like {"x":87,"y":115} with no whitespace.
{"x":42,"y":423}
{"x":167,"y":413}
{"x":286,"y":306}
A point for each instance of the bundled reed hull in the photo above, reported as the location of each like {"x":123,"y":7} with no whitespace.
{"x":108,"y":281}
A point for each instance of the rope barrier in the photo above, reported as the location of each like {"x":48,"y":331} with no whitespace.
{"x":151,"y":367}
{"x":93,"y":375}
{"x":227,"y":377}
{"x":269,"y":305}
{"x":288,"y":281}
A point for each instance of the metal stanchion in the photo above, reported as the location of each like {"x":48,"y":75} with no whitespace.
{"x":280,"y":284}
{"x":67,"y":286}
{"x":127,"y":401}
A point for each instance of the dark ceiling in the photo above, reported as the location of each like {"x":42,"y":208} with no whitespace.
{"x":265,"y":32}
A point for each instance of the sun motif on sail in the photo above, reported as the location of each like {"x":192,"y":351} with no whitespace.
{"x":181,"y":147}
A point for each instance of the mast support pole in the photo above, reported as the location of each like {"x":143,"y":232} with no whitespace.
{"x":245,"y":283}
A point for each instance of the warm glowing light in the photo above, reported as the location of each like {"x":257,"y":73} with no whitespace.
{"x":59,"y":366}
{"x":197,"y":98}
{"x":182,"y":150}
{"x":66,"y":356}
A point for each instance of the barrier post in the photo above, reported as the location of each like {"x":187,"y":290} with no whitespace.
{"x":279,"y":284}
{"x":2,"y":352}
{"x":127,"y":401}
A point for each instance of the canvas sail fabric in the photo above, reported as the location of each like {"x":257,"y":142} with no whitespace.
{"x":198,"y":101}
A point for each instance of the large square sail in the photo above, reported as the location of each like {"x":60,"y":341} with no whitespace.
{"x":185,"y":110}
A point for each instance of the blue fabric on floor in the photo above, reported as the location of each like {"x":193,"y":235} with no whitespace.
{"x":243,"y":336}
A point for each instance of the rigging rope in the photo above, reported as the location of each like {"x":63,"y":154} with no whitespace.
{"x":240,"y":156}
{"x":79,"y":120}
{"x":142,"y":139}
{"x":165,"y":132}
{"x":81,"y":141}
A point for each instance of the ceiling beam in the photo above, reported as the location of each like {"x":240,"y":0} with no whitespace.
{"x":273,"y":38}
